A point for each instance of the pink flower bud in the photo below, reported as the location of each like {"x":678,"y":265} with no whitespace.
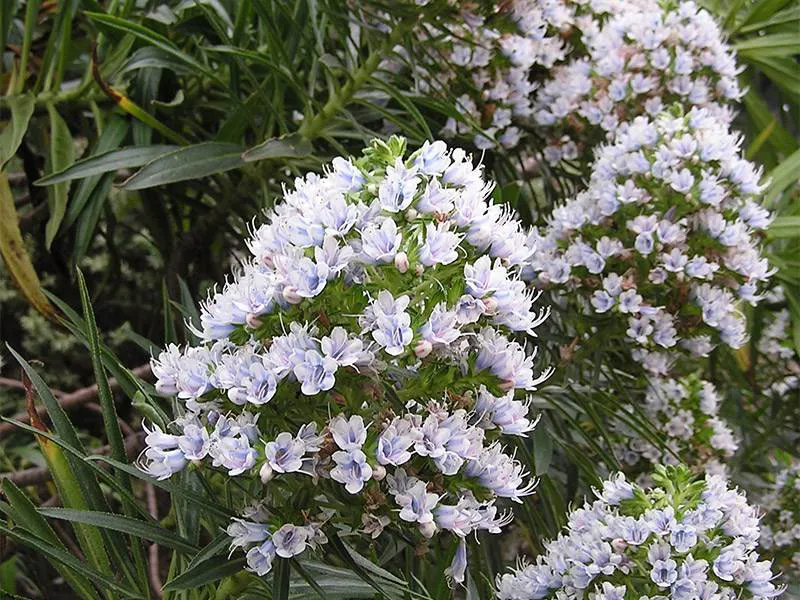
{"x":401,"y":261}
{"x":253,"y":321}
{"x":291,"y":296}
{"x":427,"y":529}
{"x":491,"y":305}
{"x":423,"y":348}
{"x":619,"y":545}
{"x":378,"y":472}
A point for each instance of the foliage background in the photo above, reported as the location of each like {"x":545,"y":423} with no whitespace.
{"x":140,"y":141}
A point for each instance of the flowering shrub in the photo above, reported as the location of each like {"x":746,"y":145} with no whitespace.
{"x":684,"y":412}
{"x":645,"y":57}
{"x":664,"y":242}
{"x":778,"y":369}
{"x":685,"y":538}
{"x":480,"y":58}
{"x":364,"y":358}
{"x":780,"y":527}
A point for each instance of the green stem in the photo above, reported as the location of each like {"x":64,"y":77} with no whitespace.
{"x":311,"y":128}
{"x":31,"y":12}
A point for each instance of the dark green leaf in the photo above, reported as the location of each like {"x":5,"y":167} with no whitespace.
{"x":106,"y":162}
{"x":290,"y":146}
{"x":68,"y":560}
{"x":21,"y":110}
{"x":192,"y":162}
{"x":137,"y":528}
{"x":62,"y":153}
{"x":208,"y":571}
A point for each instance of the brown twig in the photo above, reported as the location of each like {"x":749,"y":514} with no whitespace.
{"x":18,"y":385}
{"x":37,"y":475}
{"x":154,"y":566}
{"x":70,"y":400}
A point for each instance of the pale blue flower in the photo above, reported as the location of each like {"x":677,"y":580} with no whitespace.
{"x":393,"y":333}
{"x":290,"y":540}
{"x":380,"y":241}
{"x":417,"y":503}
{"x":315,"y":373}
{"x":431,"y":158}
{"x":396,"y":192}
{"x":349,"y":434}
{"x":285,"y":453}
{"x":441,"y":328}
{"x":259,"y":558}
{"x":351,"y":469}
{"x":440,"y":245}
{"x":339,"y":346}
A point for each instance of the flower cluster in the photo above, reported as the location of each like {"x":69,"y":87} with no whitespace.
{"x":645,"y":57}
{"x":778,"y":368}
{"x":685,"y":415}
{"x":780,"y":527}
{"x":664,"y":242}
{"x":683,"y":539}
{"x":481,"y":61}
{"x":369,"y":352}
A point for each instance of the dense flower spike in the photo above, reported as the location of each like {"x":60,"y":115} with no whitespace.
{"x":684,"y":538}
{"x":664,"y":241}
{"x":778,"y":369}
{"x":578,"y":71}
{"x":481,"y":57}
{"x":780,"y":527}
{"x":643,"y":58}
{"x":685,"y":413}
{"x":372,"y":350}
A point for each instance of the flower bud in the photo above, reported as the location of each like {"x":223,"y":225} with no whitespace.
{"x":401,"y":261}
{"x":427,"y":529}
{"x":291,"y":296}
{"x":423,"y":348}
{"x":619,"y":545}
{"x":412,"y":214}
{"x":265,"y":473}
{"x":253,"y":321}
{"x":378,"y":472}
{"x":491,"y":305}
{"x":419,"y":269}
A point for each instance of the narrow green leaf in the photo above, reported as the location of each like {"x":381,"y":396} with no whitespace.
{"x":781,"y":177}
{"x":208,"y":571}
{"x":152,"y":38}
{"x":775,"y":44}
{"x":290,"y":146}
{"x":62,"y":153}
{"x":784,"y":227}
{"x":24,"y":514}
{"x":113,"y":431}
{"x":106,"y":162}
{"x":46,"y":549}
{"x":151,"y":57}
{"x":21,"y":108}
{"x":136,"y":527}
{"x":192,"y":162}
{"x":281,"y":572}
{"x":542,"y":450}
{"x":114,"y":132}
